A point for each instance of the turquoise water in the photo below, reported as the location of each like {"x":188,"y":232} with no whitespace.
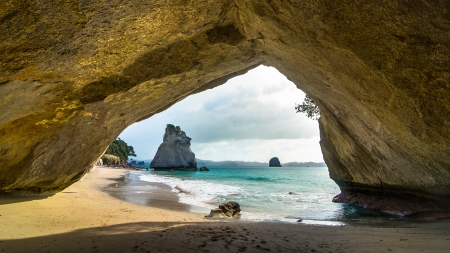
{"x":263,"y":192}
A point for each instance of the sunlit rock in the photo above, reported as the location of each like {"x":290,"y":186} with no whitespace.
{"x":228,"y":209}
{"x":379,"y":72}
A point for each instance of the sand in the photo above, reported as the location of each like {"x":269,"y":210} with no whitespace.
{"x":82,"y":218}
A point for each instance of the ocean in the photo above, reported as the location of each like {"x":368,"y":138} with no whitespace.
{"x":264,"y":193}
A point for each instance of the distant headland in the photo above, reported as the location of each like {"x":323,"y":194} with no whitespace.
{"x":209,"y":163}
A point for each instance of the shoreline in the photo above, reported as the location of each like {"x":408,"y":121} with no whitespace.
{"x":83,"y":218}
{"x":131,"y":188}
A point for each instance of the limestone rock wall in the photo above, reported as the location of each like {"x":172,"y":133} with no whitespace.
{"x":74,"y":74}
{"x":175,"y":151}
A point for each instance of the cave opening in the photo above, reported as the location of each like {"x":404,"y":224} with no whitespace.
{"x":241,"y":125}
{"x":249,"y":118}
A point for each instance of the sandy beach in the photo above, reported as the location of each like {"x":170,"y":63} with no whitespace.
{"x":83,"y":218}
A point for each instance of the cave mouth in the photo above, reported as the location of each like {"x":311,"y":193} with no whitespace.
{"x":382,"y":88}
{"x":252,"y":114}
{"x":250,"y":118}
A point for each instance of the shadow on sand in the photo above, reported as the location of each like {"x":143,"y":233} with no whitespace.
{"x":233,"y":237}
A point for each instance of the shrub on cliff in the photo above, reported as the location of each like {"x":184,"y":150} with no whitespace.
{"x":120,"y":149}
{"x":109,"y":159}
{"x":309,"y":108}
{"x":174,"y":128}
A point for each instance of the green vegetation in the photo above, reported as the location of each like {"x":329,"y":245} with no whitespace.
{"x":110,"y":159}
{"x":309,"y":108}
{"x":175,"y":128}
{"x":120,"y":149}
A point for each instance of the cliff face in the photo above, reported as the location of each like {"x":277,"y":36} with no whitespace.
{"x":175,"y":152}
{"x":378,"y":71}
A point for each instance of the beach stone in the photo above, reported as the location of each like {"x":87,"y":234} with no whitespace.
{"x":175,"y":152}
{"x":203,"y":168}
{"x":228,"y":209}
{"x":378,"y":71}
{"x":274,"y":162}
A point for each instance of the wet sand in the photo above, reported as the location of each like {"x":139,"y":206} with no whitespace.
{"x":83,"y":218}
{"x":130,"y":188}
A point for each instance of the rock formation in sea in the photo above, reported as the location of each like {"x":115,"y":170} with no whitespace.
{"x":203,"y":168}
{"x":274,"y":162}
{"x":175,"y":151}
{"x":379,"y":72}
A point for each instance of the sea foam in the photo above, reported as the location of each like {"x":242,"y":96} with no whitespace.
{"x":195,"y":192}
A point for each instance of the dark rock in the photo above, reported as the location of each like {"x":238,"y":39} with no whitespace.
{"x":274,"y":162}
{"x":293,"y":193}
{"x":228,"y":209}
{"x":391,"y":202}
{"x":203,"y":168}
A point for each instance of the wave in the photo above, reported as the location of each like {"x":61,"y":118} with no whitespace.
{"x":195,"y":192}
{"x":264,"y":179}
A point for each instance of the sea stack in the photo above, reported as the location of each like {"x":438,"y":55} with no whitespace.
{"x":175,"y":151}
{"x":274,"y":162}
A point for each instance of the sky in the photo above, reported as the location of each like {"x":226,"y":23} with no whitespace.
{"x":249,"y":118}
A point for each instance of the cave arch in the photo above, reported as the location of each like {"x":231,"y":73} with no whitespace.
{"x":250,"y":118}
{"x":378,"y":71}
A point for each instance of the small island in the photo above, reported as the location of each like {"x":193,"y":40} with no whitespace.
{"x":175,"y":152}
{"x":274,"y":162}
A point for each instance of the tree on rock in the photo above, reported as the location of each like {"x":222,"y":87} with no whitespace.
{"x":120,"y":149}
{"x":308,"y":107}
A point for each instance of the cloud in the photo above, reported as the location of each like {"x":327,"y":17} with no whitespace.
{"x":287,"y":150}
{"x":254,"y":111}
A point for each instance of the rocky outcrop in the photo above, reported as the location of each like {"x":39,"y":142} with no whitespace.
{"x":228,"y":209}
{"x":379,"y":72}
{"x":274,"y":162}
{"x":175,"y":151}
{"x":203,"y":168}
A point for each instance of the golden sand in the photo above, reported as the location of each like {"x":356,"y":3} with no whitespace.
{"x":83,"y":218}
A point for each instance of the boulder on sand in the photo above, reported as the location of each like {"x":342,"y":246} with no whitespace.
{"x":228,"y":209}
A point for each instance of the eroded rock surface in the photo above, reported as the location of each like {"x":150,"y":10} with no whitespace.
{"x":228,"y":209}
{"x":74,"y":74}
{"x":175,"y":152}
